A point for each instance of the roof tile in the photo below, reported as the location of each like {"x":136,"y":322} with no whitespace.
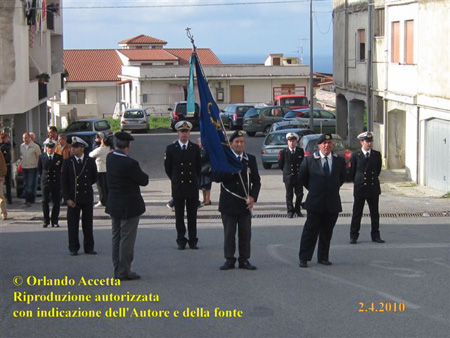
{"x":142,"y":39}
{"x":92,"y":65}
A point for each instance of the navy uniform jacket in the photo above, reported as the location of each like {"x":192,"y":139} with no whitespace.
{"x":77,"y":185}
{"x":230,"y":204}
{"x":124,"y":176}
{"x":290,"y":164}
{"x":50,"y":171}
{"x":323,"y":191}
{"x":183,"y":167}
{"x":365,"y":173}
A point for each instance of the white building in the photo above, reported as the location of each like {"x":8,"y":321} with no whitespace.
{"x":143,"y":73}
{"x":410,"y":87}
{"x":31,"y":43}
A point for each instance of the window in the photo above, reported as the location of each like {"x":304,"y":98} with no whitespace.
{"x":379,"y":22}
{"x":77,"y":96}
{"x":409,"y":42}
{"x":395,"y":42}
{"x":327,"y":114}
{"x":378,"y":109}
{"x":102,"y":125}
{"x":361,"y":44}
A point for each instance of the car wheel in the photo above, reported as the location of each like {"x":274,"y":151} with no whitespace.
{"x":267,"y":165}
{"x":266,"y":130}
{"x":251,"y":133}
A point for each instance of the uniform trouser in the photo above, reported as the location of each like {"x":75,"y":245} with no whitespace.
{"x":73,"y":224}
{"x":53,"y":194}
{"x":2,"y":199}
{"x":29,"y":179}
{"x":243,"y":224}
{"x":191,"y":211}
{"x":102,"y":187}
{"x":358,"y":207}
{"x":292,"y":188}
{"x":317,"y":225}
{"x":8,"y":183}
{"x":123,"y":238}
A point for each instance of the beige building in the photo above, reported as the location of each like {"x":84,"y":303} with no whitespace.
{"x":31,"y":66}
{"x":142,"y":72}
{"x":409,"y":86}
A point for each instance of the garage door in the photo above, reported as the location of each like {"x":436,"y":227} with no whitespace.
{"x":237,"y":94}
{"x":437,"y":155}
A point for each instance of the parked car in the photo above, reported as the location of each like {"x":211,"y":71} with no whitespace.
{"x":95,"y":125}
{"x":260,"y":119}
{"x":276,"y":141}
{"x":309,"y":145}
{"x":232,"y":115}
{"x":178,"y":113}
{"x":324,"y":120}
{"x":287,"y":125}
{"x":134,"y":119}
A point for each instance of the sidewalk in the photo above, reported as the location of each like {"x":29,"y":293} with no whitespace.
{"x":398,"y":196}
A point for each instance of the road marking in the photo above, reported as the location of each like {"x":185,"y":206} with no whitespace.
{"x":273,"y":251}
{"x":391,"y":246}
{"x":402,"y":272}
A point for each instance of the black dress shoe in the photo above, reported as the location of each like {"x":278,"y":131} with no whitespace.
{"x":378,"y":240}
{"x":247,"y":266}
{"x":45,"y":225}
{"x":193,"y":246}
{"x":131,"y":276}
{"x":182,"y":246}
{"x":299,"y":214}
{"x":352,"y":240}
{"x":74,"y":253}
{"x":325,"y":262}
{"x":303,"y":264}
{"x":55,"y":225}
{"x":90,"y":252}
{"x":290,"y":214}
{"x":228,"y":265}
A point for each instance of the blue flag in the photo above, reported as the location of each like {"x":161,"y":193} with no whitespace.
{"x":212,"y":133}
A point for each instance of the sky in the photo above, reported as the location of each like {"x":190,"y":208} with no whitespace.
{"x":237,"y":31}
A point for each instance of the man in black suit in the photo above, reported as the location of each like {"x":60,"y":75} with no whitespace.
{"x":125,"y":204}
{"x":365,"y":169}
{"x":79,"y":173}
{"x":322,"y":173}
{"x":182,"y":163}
{"x":289,"y":161}
{"x":238,"y":193}
{"x":49,"y":168}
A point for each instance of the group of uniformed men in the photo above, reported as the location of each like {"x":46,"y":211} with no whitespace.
{"x":322,"y":174}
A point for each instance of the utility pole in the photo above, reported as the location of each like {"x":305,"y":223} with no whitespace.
{"x":369,"y":68}
{"x":311,"y":67}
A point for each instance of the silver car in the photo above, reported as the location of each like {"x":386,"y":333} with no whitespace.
{"x":134,"y":119}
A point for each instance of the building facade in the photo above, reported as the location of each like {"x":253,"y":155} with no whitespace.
{"x":31,"y":66}
{"x":401,"y":48}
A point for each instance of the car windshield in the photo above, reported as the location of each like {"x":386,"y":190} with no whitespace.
{"x":80,"y":126}
{"x":133,"y":114}
{"x":181,"y":108}
{"x":291,"y":114}
{"x":253,"y":112}
{"x":294,"y":101}
{"x":102,"y":125}
{"x":242,"y":110}
{"x":275,"y":139}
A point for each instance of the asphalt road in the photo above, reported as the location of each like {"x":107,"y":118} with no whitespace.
{"x":408,"y":277}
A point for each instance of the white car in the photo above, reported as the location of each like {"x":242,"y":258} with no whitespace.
{"x":134,"y":119}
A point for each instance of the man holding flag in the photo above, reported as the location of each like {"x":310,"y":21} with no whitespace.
{"x":237,"y":171}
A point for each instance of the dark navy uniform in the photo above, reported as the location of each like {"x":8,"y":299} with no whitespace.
{"x":183,"y":167}
{"x":235,"y":213}
{"x":323,"y":204}
{"x":289,"y":162}
{"x":364,"y":172}
{"x":77,"y":181}
{"x":50,"y":171}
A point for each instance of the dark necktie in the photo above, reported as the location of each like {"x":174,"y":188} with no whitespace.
{"x":367,"y":155}
{"x":239,"y":158}
{"x":184,"y":147}
{"x":326,"y":167}
{"x":79,"y":161}
{"x":50,"y":158}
